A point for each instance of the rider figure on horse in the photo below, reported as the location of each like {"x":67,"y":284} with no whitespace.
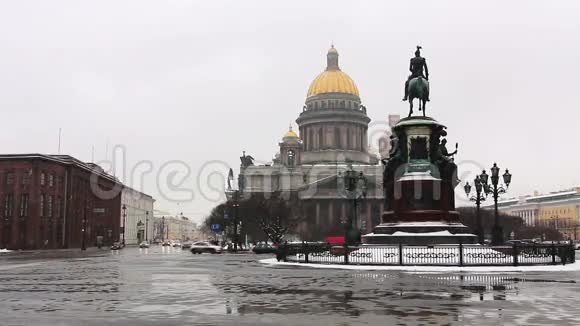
{"x":416,"y":67}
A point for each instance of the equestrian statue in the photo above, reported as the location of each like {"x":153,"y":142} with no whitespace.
{"x":417,"y":85}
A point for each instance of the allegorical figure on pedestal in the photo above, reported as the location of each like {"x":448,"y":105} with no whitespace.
{"x":397,"y":157}
{"x":417,"y":85}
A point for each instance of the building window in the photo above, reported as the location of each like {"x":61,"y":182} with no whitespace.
{"x":41,"y":206}
{"x":26,"y":177}
{"x":42,"y":179}
{"x":10,"y":178}
{"x":61,"y":207}
{"x":23,"y":205}
{"x":49,"y":206}
{"x":291,"y":157}
{"x":50,"y":180}
{"x":8,"y":205}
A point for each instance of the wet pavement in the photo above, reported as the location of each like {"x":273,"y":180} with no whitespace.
{"x":166,"y":286}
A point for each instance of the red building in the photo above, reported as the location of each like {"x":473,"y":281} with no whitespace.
{"x":56,"y":201}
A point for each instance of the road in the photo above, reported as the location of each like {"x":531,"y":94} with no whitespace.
{"x":166,"y":286}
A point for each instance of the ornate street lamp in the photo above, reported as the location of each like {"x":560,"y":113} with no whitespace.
{"x":478,"y":198}
{"x":162,"y":229}
{"x":233,"y":197}
{"x":355,"y":185}
{"x":146,"y":224}
{"x":124,"y":208}
{"x":495,"y":189}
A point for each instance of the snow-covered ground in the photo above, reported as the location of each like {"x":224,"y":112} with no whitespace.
{"x":4,"y":251}
{"x":424,"y":255}
{"x":432,"y":269}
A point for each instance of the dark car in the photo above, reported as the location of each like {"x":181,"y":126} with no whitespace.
{"x":116,"y":246}
{"x":186,"y":245}
{"x":264,"y":248}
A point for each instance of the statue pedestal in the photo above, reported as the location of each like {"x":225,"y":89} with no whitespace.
{"x":419,"y":181}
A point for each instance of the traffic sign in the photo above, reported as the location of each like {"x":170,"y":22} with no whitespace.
{"x":226,"y":216}
{"x":215,"y":227}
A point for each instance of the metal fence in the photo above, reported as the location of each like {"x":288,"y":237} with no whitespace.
{"x":436,"y":255}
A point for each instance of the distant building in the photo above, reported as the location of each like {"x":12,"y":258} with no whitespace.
{"x":48,"y":200}
{"x":57,"y":201}
{"x":559,"y":210}
{"x":139,"y":219}
{"x":168,"y":227}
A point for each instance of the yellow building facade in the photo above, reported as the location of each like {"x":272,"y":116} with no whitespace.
{"x":558,"y":210}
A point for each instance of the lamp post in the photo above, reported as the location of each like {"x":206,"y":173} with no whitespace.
{"x":233,"y":196}
{"x":355,"y":185}
{"x":495,"y":189}
{"x":478,"y":198}
{"x":146,"y":224}
{"x":84,"y":227}
{"x":124,"y":208}
{"x":162,"y":228}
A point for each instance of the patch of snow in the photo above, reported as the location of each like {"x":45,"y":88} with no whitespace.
{"x":5,"y":251}
{"x":434,"y":269}
{"x":421,"y":234}
{"x":422,"y":224}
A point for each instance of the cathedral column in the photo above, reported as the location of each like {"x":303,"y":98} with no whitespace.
{"x":330,"y":212}
{"x":317,"y":213}
{"x":369,"y":224}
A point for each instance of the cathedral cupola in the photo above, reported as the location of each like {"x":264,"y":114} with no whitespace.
{"x":291,"y":149}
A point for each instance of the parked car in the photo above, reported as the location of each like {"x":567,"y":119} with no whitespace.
{"x":116,"y":246}
{"x":186,"y":245}
{"x":264,"y":248}
{"x":166,"y":243}
{"x":176,"y":244}
{"x":201,"y":247}
{"x":144,"y":244}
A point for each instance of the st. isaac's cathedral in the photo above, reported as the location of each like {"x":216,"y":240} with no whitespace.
{"x":332,"y":137}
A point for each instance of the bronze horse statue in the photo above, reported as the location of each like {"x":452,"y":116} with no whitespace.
{"x":418,"y":89}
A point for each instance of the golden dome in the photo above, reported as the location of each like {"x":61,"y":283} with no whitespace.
{"x":332,"y":80}
{"x":290,"y":133}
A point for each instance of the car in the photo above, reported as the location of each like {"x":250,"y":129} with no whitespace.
{"x":264,"y":248}
{"x":202,"y":246}
{"x":116,"y":246}
{"x":186,"y":245}
{"x":166,"y":243}
{"x":144,"y":244}
{"x":176,"y":244}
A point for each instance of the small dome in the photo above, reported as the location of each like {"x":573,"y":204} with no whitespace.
{"x":290,"y":134}
{"x":332,"y":80}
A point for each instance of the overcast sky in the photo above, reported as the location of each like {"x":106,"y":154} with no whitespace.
{"x":200,"y":81}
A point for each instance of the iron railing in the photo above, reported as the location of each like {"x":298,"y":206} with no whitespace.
{"x":435,"y":255}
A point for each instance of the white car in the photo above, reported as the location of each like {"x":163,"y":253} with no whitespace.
{"x":201,"y":247}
